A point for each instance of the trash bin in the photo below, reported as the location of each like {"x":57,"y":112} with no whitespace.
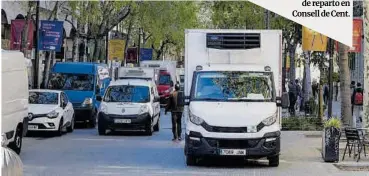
{"x":12,"y":164}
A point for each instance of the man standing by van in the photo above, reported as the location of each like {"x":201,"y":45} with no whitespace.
{"x":176,"y":107}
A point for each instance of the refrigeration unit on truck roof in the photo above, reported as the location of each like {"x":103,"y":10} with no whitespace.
{"x":137,"y":73}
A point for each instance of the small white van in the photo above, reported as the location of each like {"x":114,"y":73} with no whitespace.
{"x":130,"y":104}
{"x":14,"y":96}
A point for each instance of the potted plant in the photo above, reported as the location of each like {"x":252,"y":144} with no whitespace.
{"x":330,"y":140}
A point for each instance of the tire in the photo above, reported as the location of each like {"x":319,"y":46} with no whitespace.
{"x":157,"y":126}
{"x":274,"y":161}
{"x":101,"y":127}
{"x":71,"y":126}
{"x":16,"y":145}
{"x":191,"y":160}
{"x":149,"y":129}
{"x":60,"y":128}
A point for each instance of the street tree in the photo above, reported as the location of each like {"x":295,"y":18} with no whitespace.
{"x":346,"y":112}
{"x":163,"y":23}
{"x":100,"y":18}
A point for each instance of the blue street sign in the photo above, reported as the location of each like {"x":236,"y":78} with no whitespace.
{"x":145,"y":54}
{"x":51,"y":35}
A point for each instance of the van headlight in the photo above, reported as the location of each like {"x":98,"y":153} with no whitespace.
{"x":87,"y":102}
{"x":270,"y":120}
{"x":52,"y":114}
{"x":103,"y":108}
{"x":143,"y":109}
{"x":195,"y":120}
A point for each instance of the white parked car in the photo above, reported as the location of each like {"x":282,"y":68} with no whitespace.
{"x":50,"y":110}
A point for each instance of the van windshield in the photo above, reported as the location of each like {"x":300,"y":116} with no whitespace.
{"x":127,"y":93}
{"x":164,"y":80}
{"x":234,"y":86}
{"x":68,"y":81}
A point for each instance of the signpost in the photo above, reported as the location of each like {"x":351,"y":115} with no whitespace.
{"x":51,"y":35}
{"x":145,"y":54}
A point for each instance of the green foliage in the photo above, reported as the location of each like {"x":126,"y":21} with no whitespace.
{"x":237,"y":15}
{"x":301,"y":124}
{"x":333,"y":122}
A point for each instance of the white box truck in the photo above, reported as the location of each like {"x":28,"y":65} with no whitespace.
{"x":233,"y":94}
{"x":167,"y":77}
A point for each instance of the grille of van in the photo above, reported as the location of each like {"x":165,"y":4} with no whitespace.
{"x":231,"y":41}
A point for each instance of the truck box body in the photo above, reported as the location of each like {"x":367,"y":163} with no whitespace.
{"x":167,"y":77}
{"x":233,"y":81}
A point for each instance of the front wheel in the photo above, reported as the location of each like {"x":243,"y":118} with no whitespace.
{"x":71,"y":126}
{"x":92,"y":122}
{"x":60,"y":128}
{"x":16,"y":145}
{"x":191,"y":160}
{"x":157,"y":126}
{"x":274,"y":161}
{"x":149,"y":129}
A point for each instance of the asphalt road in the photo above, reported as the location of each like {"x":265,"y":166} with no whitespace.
{"x":85,"y":153}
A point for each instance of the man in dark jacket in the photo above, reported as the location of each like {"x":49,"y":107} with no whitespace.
{"x":176,"y":110}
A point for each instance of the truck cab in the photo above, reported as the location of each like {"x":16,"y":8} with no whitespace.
{"x":233,"y":103}
{"x":82,"y":82}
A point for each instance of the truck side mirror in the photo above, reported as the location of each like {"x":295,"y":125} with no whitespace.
{"x":98,"y":98}
{"x":171,"y":84}
{"x":156,"y":99}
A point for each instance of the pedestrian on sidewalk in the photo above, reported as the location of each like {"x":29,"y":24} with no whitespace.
{"x":292,"y":92}
{"x":175,"y":106}
{"x":326,"y":94}
{"x":352,"y":88}
{"x":357,"y":103}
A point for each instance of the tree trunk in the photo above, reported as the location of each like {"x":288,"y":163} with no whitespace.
{"x":97,"y":50}
{"x":366,"y":65}
{"x":75,"y":49}
{"x":292,"y":52}
{"x":346,"y":112}
{"x":307,"y":83}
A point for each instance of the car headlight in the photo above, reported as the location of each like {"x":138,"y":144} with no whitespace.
{"x":52,"y":114}
{"x":87,"y":102}
{"x":103,"y":108}
{"x":143,"y":109}
{"x":270,"y":120}
{"x":195,"y":120}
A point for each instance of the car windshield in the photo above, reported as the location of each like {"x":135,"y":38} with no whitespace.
{"x":127,"y":93}
{"x":43,"y":98}
{"x":164,"y":79}
{"x":234,"y":86}
{"x":66,"y":81}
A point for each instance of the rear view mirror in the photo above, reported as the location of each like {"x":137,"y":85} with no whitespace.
{"x":98,"y":98}
{"x":171,"y":84}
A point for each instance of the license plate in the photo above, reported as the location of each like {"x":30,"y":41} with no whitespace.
{"x":122,"y":120}
{"x":32,"y":127}
{"x":232,"y":152}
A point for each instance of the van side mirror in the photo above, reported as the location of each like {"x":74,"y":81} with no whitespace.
{"x":283,"y":101}
{"x":187,"y":100}
{"x":156,"y":99}
{"x":98,"y":98}
{"x":171,"y":84}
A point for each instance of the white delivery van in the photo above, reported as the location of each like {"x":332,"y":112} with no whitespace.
{"x":130,"y":104}
{"x":14,"y":103}
{"x":233,"y":88}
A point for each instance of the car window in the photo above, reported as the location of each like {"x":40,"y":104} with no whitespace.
{"x":65,"y":97}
